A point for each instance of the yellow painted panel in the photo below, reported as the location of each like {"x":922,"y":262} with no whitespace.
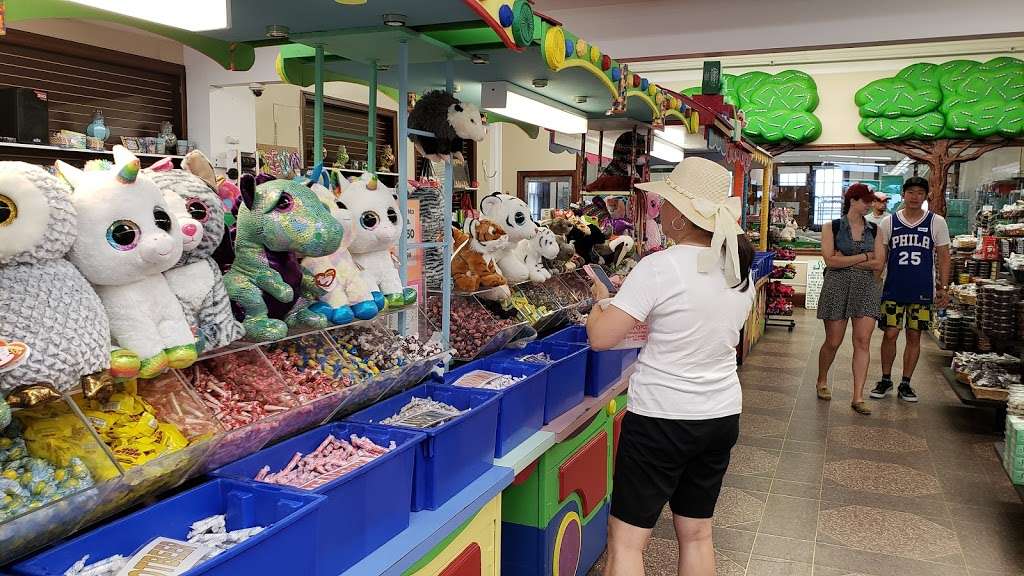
{"x":485,"y":530}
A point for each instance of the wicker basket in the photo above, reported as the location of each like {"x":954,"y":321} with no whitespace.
{"x":58,"y":139}
{"x":984,"y":393}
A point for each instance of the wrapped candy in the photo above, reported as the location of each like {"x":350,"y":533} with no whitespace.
{"x":240,"y":388}
{"x":423,"y":413}
{"x":331,"y":460}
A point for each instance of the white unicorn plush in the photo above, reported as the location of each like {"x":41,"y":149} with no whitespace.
{"x":513,"y":215}
{"x":127,"y":238}
{"x":346,"y":296}
{"x":374,"y":207}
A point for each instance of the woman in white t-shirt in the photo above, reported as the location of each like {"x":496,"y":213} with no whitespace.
{"x":684,"y":395}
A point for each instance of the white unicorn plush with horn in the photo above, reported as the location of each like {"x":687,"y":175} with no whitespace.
{"x":127,"y":238}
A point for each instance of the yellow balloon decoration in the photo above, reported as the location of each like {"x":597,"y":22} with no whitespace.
{"x":554,"y":48}
{"x":595,"y":55}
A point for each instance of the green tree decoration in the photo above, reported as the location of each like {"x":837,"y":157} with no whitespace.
{"x":779,"y":108}
{"x":944,"y":114}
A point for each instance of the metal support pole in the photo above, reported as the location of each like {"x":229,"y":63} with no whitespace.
{"x":446,"y":282}
{"x":371,"y":124}
{"x":318,"y":106}
{"x":766,"y":191}
{"x":403,"y":165}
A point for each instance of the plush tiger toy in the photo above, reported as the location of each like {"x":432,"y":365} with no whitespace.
{"x":473,"y":265}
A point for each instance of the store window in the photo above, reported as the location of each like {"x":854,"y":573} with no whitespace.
{"x":347,"y":117}
{"x":544,"y":191}
{"x":793,"y":179}
{"x":828,"y":194}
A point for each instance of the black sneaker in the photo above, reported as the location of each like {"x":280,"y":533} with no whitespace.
{"x":881,"y":389}
{"x":906,"y":393}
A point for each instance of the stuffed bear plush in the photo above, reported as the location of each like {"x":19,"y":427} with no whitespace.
{"x":46,"y":303}
{"x":513,"y":215}
{"x":346,"y":296}
{"x":564,"y":260}
{"x":543,"y":245}
{"x":279,"y":222}
{"x":585,"y":237}
{"x":127,"y":238}
{"x":374,"y":208}
{"x":196,"y":280}
{"x":451,"y":122}
{"x":473,"y":263}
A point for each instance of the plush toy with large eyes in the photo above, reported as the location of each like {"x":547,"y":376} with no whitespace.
{"x":451,"y":122}
{"x":374,"y":209}
{"x":513,"y":215}
{"x":279,"y":222}
{"x":196,"y":280}
{"x":45,"y":303}
{"x":127,"y":238}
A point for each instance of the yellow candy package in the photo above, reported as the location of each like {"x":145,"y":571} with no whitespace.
{"x":170,"y":437}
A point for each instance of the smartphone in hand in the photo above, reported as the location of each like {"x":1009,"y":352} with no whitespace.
{"x":598,"y":274}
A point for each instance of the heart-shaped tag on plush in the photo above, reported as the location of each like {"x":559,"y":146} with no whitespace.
{"x":325,"y":279}
{"x":12,"y":354}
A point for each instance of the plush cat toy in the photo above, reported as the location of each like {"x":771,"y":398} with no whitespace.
{"x":451,"y":122}
{"x":374,"y":208}
{"x":513,"y":215}
{"x":127,"y":238}
{"x":196,"y":280}
{"x":543,"y":245}
{"x":279,"y":222}
{"x":346,"y":296}
{"x":45,"y":302}
{"x":473,"y":263}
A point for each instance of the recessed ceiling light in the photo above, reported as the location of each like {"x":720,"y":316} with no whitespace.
{"x":395,"y":20}
{"x":277,"y":31}
{"x":581,"y":99}
{"x":540,"y":82}
{"x":481,"y":59}
{"x":351,"y":2}
{"x":383,"y":67}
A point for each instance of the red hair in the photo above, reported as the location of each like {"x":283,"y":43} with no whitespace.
{"x":856,"y":191}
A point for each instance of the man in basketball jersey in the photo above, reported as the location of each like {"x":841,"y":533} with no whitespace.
{"x":917,"y":242}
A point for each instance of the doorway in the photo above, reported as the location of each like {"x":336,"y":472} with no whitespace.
{"x":546,"y":190}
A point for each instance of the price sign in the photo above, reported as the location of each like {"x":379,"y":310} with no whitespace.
{"x":815,"y":278}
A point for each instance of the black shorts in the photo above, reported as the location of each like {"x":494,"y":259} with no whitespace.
{"x":681,"y":462}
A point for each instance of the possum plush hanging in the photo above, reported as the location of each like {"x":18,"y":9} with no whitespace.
{"x":451,"y":122}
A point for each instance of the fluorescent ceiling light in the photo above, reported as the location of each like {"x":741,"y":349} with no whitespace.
{"x":860,"y":157}
{"x":500,"y":98}
{"x":194,"y":15}
{"x":666,"y":150}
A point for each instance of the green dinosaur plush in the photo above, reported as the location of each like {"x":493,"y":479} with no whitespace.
{"x":279,"y":222}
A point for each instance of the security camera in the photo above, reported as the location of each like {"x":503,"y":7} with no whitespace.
{"x":257,"y":89}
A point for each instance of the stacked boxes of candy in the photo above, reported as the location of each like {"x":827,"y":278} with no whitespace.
{"x":53,"y":471}
{"x":247,"y":396}
{"x":1013,"y":456}
{"x":475,"y":330}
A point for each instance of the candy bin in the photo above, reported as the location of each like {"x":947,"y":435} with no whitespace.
{"x":366,"y":473}
{"x":579,"y":286}
{"x":477,"y":328}
{"x":566,"y":364}
{"x":537,"y":306}
{"x":248,"y":529}
{"x":158,"y":431}
{"x":246,"y":396}
{"x":317,"y":374}
{"x":565,"y":297}
{"x":53,"y":470}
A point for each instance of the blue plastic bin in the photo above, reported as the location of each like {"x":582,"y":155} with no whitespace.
{"x":520,"y":406}
{"x":453,"y":454}
{"x":567,"y":375}
{"x":286,"y":546}
{"x":366,"y":507}
{"x":603,"y":367}
{"x":629,"y":357}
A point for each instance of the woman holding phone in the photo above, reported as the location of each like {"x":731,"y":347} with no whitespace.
{"x":853,"y":252}
{"x":684,"y":402}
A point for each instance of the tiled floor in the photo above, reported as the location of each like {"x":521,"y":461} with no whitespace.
{"x":815,"y":489}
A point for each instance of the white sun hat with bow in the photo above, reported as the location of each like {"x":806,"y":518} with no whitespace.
{"x":702,"y":191}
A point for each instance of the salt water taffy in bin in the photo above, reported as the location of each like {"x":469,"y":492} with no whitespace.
{"x":346,"y":296}
{"x":53,"y":328}
{"x":284,"y":220}
{"x":127,"y":238}
{"x":196,"y":279}
{"x":378,"y":224}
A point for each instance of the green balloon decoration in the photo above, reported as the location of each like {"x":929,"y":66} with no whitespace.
{"x":779,"y":107}
{"x":955,"y":99}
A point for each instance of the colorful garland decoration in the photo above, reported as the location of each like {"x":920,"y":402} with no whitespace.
{"x":513,"y":21}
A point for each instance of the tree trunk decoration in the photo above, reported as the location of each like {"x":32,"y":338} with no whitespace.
{"x":945,"y":114}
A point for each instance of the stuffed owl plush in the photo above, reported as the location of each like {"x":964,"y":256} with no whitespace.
{"x":127,"y":238}
{"x":45,"y":302}
{"x":378,"y":223}
{"x":279,"y":222}
{"x":196,"y":279}
{"x":513,"y":215}
{"x":346,"y":296}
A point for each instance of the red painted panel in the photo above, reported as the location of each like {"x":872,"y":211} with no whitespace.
{"x":616,"y":430}
{"x":525,"y":474}
{"x":586,"y":472}
{"x":469,"y":563}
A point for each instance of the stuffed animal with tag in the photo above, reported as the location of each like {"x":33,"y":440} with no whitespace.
{"x":278,"y":222}
{"x":53,"y":328}
{"x":346,"y":297}
{"x":127,"y":238}
{"x":543,"y":245}
{"x":196,"y":280}
{"x":451,"y":122}
{"x":513,"y":215}
{"x":473,"y":265}
{"x":378,"y":224}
